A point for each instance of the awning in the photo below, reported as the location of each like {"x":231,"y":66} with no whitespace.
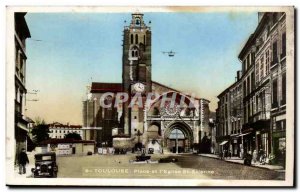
{"x":22,"y":126}
{"x":224,"y":142}
{"x":91,"y":128}
{"x":244,"y":134}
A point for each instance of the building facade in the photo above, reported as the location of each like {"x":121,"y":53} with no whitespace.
{"x":259,"y":93}
{"x":58,"y":130}
{"x":161,"y":126}
{"x":21,"y":34}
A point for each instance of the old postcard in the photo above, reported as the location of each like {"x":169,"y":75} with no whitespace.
{"x":150,"y":96}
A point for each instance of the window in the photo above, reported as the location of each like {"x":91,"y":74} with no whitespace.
{"x":248,"y":61}
{"x":283,"y":45}
{"x":267,"y":64}
{"x":244,"y":88}
{"x":280,"y":125}
{"x":274,"y":93}
{"x":283,"y":101}
{"x":16,"y":96}
{"x":144,"y":40}
{"x":131,"y":38}
{"x":252,"y":58}
{"x":136,"y":39}
{"x":132,"y":53}
{"x":248,"y":85}
{"x":261,"y":67}
{"x":257,"y":72}
{"x":252,"y":81}
{"x":275,"y":18}
{"x":274,"y":49}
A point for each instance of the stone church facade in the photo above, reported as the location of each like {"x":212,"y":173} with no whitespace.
{"x":167,"y":120}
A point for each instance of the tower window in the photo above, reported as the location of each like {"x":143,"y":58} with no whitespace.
{"x":136,"y":54}
{"x":144,"y":40}
{"x":131,"y":38}
{"x":132,"y":53}
{"x":136,"y":39}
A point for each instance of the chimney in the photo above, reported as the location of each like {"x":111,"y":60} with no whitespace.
{"x":238,"y":75}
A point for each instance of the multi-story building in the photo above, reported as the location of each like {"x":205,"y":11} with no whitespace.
{"x":58,"y":130}
{"x":21,"y":34}
{"x":229,"y":118}
{"x":278,"y":85}
{"x":260,"y":104}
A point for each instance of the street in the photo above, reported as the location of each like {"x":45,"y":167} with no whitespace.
{"x":188,"y":166}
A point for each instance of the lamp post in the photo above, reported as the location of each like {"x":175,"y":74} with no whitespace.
{"x":176,"y":143}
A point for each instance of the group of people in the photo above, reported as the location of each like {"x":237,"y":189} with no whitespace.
{"x":259,"y":156}
{"x":225,"y":154}
{"x":255,"y":157}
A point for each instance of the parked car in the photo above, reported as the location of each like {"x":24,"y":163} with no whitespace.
{"x":45,"y":165}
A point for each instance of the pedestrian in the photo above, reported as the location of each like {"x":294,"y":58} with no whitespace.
{"x":230,"y":154}
{"x":261,"y":155}
{"x":23,"y":160}
{"x":248,"y":158}
{"x":254,"y":158}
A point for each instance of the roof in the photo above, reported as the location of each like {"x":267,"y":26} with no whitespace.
{"x":106,"y":87}
{"x":246,"y":47}
{"x":20,"y":19}
{"x":68,"y":140}
{"x":253,"y":36}
{"x":47,"y":153}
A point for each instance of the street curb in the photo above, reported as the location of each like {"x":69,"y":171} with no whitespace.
{"x":278,"y":170}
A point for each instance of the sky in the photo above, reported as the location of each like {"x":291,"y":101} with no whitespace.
{"x":67,"y":51}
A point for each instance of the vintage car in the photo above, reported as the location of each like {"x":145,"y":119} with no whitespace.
{"x":45,"y":165}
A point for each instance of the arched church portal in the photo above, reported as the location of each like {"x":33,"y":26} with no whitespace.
{"x":178,"y":138}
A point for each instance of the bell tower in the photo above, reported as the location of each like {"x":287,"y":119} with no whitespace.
{"x":136,"y":73}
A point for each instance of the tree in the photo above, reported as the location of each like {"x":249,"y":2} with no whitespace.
{"x":40,"y":131}
{"x":73,"y":135}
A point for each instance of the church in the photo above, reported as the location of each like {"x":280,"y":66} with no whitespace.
{"x":119,"y":115}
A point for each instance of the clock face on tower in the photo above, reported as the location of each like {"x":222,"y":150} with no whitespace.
{"x":139,"y":87}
